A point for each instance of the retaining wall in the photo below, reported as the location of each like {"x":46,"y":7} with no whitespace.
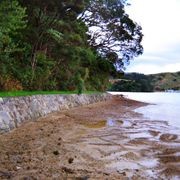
{"x":16,"y":110}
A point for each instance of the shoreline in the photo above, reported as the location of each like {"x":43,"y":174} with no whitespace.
{"x":15,"y":111}
{"x":102,"y":140}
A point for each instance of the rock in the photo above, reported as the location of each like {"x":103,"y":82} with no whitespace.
{"x":56,"y":152}
{"x":1,"y":100}
{"x":154,"y":133}
{"x":124,"y":173}
{"x":17,"y":167}
{"x":82,"y":178}
{"x":6,"y":175}
{"x":168,"y":137}
{"x":35,"y":108}
{"x":70,"y":160}
{"x":67,"y":170}
{"x":5,"y":121}
{"x":29,"y":178}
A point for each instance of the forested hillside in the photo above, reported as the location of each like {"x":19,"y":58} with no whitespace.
{"x":57,"y":45}
{"x":133,"y":82}
{"x":165,"y":81}
{"x":136,"y":82}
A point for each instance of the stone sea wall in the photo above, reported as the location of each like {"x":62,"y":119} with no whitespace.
{"x":16,"y":110}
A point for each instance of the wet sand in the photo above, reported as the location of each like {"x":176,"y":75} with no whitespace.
{"x":106,"y":140}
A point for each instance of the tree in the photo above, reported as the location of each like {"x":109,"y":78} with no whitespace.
{"x":48,"y":24}
{"x":112,"y":33}
{"x":12,"y":21}
{"x":49,"y":46}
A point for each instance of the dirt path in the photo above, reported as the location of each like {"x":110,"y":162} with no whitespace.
{"x":105,"y":140}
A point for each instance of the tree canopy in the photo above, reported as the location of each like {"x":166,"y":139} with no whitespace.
{"x":112,"y":33}
{"x":133,"y":82}
{"x":51,"y":44}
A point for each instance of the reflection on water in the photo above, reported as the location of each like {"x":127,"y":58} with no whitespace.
{"x":149,"y":163}
{"x":140,"y":135}
{"x":110,"y":122}
{"x":133,"y":146}
{"x":121,"y":165}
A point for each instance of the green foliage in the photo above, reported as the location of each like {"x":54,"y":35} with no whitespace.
{"x":126,"y":86}
{"x":42,"y":75}
{"x":133,"y":82}
{"x":11,"y":17}
{"x":141,"y":79}
{"x":147,"y":83}
{"x":12,"y":21}
{"x":56,"y":35}
{"x":80,"y":84}
{"x":44,"y":45}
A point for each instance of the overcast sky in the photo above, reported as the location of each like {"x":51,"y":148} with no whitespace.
{"x":160,"y":20}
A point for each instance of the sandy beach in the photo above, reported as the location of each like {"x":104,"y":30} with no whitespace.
{"x":106,"y":140}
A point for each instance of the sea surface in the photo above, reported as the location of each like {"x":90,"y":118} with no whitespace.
{"x":163,"y":106}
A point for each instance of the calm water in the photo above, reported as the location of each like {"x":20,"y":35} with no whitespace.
{"x":164,"y":106}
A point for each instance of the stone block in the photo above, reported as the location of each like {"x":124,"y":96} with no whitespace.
{"x":1,"y":100}
{"x":5,"y":121}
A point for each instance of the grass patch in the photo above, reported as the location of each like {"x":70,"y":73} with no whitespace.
{"x":30,"y":93}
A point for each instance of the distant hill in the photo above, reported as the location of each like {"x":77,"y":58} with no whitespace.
{"x":136,"y":82}
{"x":164,"y":81}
